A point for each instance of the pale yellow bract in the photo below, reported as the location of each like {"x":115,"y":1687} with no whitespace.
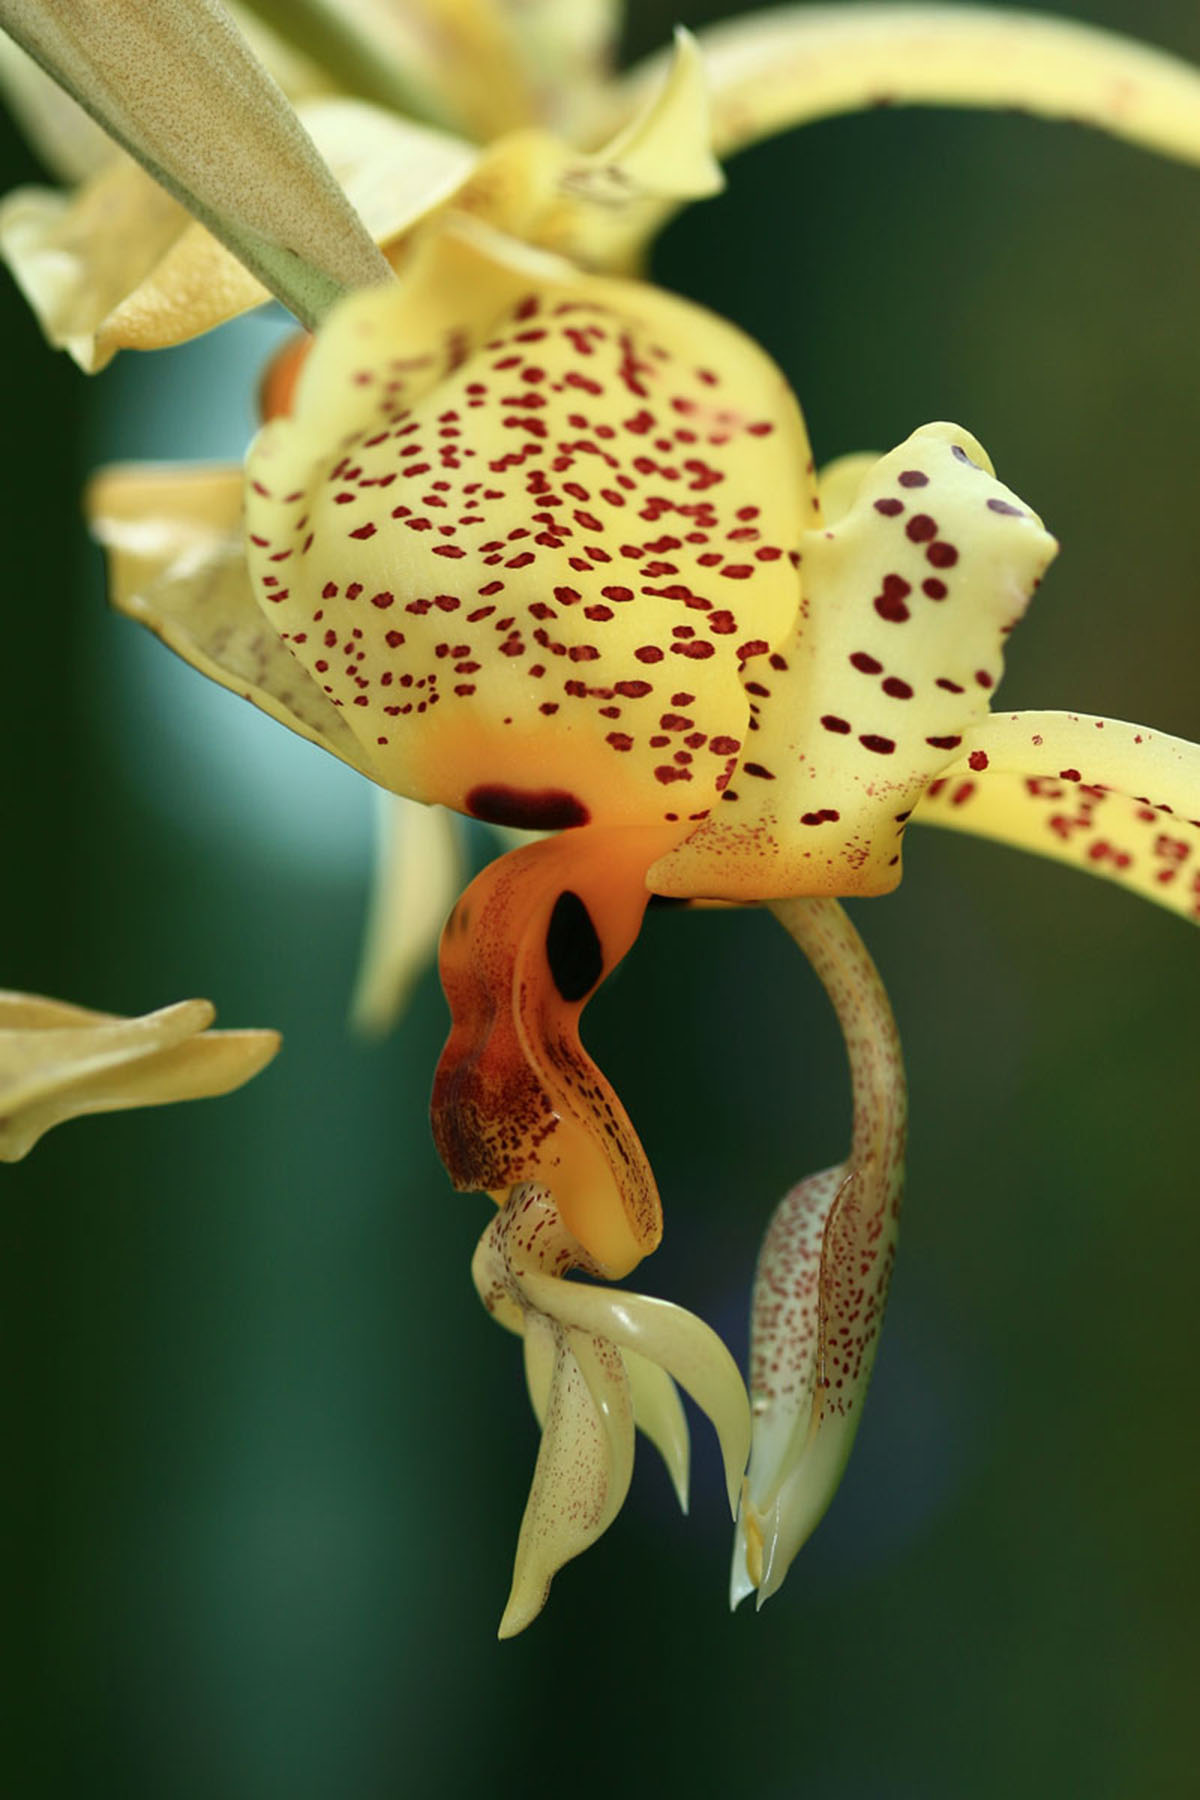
{"x":528,"y":538}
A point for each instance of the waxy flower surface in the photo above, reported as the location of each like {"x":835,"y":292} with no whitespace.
{"x":540,"y":544}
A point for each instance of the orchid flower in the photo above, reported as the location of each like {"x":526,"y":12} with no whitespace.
{"x":58,"y":1062}
{"x":545,"y":546}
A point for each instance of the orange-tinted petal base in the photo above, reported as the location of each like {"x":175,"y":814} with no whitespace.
{"x":516,"y":1097}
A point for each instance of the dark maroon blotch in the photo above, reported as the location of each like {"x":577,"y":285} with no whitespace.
{"x":543,"y":809}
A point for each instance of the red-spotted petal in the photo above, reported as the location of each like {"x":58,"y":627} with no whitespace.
{"x":533,"y":521}
{"x":1112,"y":799}
{"x":897,"y":648}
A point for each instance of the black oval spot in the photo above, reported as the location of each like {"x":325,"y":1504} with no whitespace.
{"x":572,"y":948}
{"x":549,"y":809}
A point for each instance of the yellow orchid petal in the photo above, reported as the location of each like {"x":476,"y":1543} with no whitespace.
{"x":657,"y":1409}
{"x":582,"y":1475}
{"x":59,"y":1061}
{"x":179,"y":87}
{"x":658,"y":1413}
{"x":120,"y":265}
{"x":785,"y":66}
{"x":418,"y":873}
{"x":177,"y":564}
{"x":516,"y":1097}
{"x":71,"y":145}
{"x":907,"y":600}
{"x":579,"y":444}
{"x":691,"y":1353}
{"x":1113,"y":799}
{"x":840,"y":482}
{"x":595,"y":1358}
{"x":823,"y":1273}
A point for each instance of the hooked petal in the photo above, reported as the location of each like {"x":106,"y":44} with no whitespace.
{"x":788,"y":65}
{"x":59,"y":1061}
{"x":418,"y":871}
{"x":1113,"y":799}
{"x":516,"y":1098}
{"x":823,"y":1274}
{"x":179,"y":87}
{"x":589,"y":1385}
{"x":907,"y":601}
{"x":177,"y":564}
{"x":580,"y":444}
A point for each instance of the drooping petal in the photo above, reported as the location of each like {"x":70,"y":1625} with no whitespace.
{"x":577,"y":443}
{"x":516,"y":1098}
{"x":177,"y":564}
{"x":788,"y":65}
{"x":1113,"y":799}
{"x":823,"y":1274}
{"x":121,"y":265}
{"x":907,"y":601}
{"x":59,"y":1061}
{"x":588,"y":1385}
{"x":179,"y":87}
{"x":418,"y":873}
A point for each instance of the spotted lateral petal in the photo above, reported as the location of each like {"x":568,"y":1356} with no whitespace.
{"x":823,"y":1273}
{"x":177,"y":564}
{"x":907,"y":600}
{"x":597,"y":1360}
{"x":59,"y":1061}
{"x":524,"y":520}
{"x":516,"y":1098}
{"x":792,"y":64}
{"x":1113,"y":799}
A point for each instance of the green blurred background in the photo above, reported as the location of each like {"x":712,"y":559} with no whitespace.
{"x":267,"y":1455}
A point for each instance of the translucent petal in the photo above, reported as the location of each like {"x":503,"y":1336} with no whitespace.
{"x":516,"y":1098}
{"x":567,"y":51}
{"x":59,"y":1061}
{"x":120,"y":265}
{"x":418,"y":873}
{"x":178,"y":86}
{"x":177,"y":564}
{"x":823,"y":1274}
{"x":787,"y":65}
{"x":577,"y":443}
{"x":1113,"y":799}
{"x":368,"y":48}
{"x":907,"y":602}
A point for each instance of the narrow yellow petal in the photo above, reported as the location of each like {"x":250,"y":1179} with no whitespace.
{"x":179,"y":87}
{"x":485,"y":465}
{"x":788,"y":65}
{"x":683,"y":1345}
{"x":658,"y":1412}
{"x":58,"y":1062}
{"x":177,"y":564}
{"x":418,"y":873}
{"x":823,"y":1274}
{"x":568,"y":53}
{"x":1112,"y":799}
{"x":898,"y":647}
{"x":582,"y":1473}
